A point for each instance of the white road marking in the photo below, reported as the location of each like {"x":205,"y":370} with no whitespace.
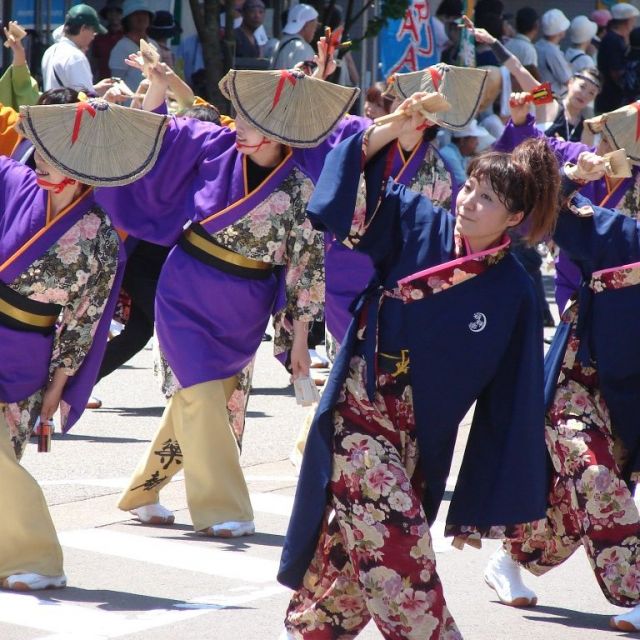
{"x":66,"y":621}
{"x":170,"y":553}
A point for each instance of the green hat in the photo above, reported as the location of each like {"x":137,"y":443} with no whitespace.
{"x":83,"y":14}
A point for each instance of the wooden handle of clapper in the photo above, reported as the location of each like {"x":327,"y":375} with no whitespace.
{"x":433,"y":102}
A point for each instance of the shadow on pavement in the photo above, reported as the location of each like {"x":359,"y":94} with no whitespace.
{"x":272,"y":391}
{"x":109,"y":600}
{"x":67,"y":437}
{"x":136,"y":412}
{"x":570,"y":618}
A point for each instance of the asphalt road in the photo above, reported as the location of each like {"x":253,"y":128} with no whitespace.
{"x":136,"y":582}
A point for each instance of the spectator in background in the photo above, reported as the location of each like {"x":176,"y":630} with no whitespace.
{"x":551,"y":62}
{"x":65,"y":63}
{"x":464,"y":144}
{"x":494,"y":24}
{"x":136,"y":20}
{"x":376,"y":102}
{"x":631,"y":76}
{"x":295,"y":47}
{"x":521,"y":45}
{"x":163,"y":28}
{"x":601,"y":17}
{"x":581,"y":33}
{"x":612,"y":57}
{"x":582,"y":89}
{"x":103,"y":43}
{"x":447,"y":13}
{"x":247,"y":45}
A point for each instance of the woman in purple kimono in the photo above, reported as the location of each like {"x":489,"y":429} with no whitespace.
{"x":432,"y":335}
{"x":60,"y":264}
{"x":248,"y":252}
{"x":622,"y":194}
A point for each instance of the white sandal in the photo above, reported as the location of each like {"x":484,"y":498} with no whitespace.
{"x":154,"y":514}
{"x":33,"y":582}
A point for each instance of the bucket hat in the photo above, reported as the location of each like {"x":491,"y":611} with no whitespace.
{"x":554,"y":22}
{"x":94,"y":141}
{"x":131,"y":6}
{"x":582,"y":30}
{"x":164,"y":26}
{"x":288,"y":105}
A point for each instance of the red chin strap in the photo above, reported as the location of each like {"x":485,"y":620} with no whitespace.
{"x":253,"y":147}
{"x":56,"y":187}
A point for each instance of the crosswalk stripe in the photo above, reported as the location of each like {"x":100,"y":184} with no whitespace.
{"x":66,"y":621}
{"x":168,"y":553}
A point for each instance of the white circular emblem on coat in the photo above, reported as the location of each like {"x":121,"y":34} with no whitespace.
{"x":479,"y":322}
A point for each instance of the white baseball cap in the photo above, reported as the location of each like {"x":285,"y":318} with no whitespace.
{"x":554,"y":22}
{"x":298,"y":16}
{"x":623,"y":11}
{"x":582,"y":30}
{"x":473,"y":129}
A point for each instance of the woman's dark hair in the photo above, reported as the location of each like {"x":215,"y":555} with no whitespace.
{"x":527,"y":180}
{"x":65,"y":95}
{"x":374,"y":94}
{"x":493,"y":23}
{"x":204,"y":112}
{"x":592,"y":75}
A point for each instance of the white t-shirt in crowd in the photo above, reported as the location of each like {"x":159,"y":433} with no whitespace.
{"x":65,"y":65}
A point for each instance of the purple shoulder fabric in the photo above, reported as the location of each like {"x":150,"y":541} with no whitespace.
{"x":312,"y":160}
{"x":176,"y":190}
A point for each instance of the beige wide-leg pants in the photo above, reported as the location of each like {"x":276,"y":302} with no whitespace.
{"x":28,"y":540}
{"x":195,"y":435}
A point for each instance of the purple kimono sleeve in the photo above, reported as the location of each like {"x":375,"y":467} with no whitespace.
{"x":312,"y":160}
{"x":156,"y":207}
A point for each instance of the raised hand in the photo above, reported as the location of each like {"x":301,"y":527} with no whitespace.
{"x":519,"y":107}
{"x":482,"y":36}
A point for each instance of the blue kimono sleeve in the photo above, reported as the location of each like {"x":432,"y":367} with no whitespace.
{"x":156,"y":207}
{"x":600,"y":241}
{"x":335,"y":200}
{"x":503,"y":478}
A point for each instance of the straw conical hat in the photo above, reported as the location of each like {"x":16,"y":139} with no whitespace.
{"x":95,"y":142}
{"x":287,"y":105}
{"x":621,"y":129}
{"x":462,"y":87}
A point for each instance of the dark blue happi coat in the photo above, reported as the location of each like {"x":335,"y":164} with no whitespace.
{"x":503,"y":474}
{"x":608,"y":320}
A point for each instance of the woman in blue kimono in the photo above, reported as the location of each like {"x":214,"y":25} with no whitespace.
{"x":379,"y":452}
{"x":592,"y":386}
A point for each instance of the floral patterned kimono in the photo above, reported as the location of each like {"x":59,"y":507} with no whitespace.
{"x":277,"y":232}
{"x":76,"y":272}
{"x":592,"y":433}
{"x":378,"y":455}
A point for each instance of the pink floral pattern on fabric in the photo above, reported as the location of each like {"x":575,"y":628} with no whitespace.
{"x":590,"y":505}
{"x":448,"y":275}
{"x":433,"y":180}
{"x":617,"y":278}
{"x":77,"y":272}
{"x":375,"y":557}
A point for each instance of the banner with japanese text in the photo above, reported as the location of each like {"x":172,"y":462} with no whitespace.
{"x":408,"y":44}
